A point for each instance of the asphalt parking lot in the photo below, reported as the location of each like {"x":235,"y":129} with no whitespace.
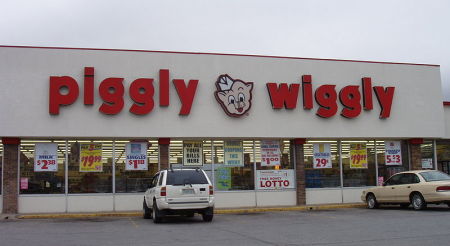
{"x":352,"y":226}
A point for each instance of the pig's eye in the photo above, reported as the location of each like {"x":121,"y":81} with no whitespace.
{"x":231,"y":100}
{"x":241,"y":97}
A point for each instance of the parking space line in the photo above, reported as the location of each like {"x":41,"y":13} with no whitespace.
{"x":134,"y":223}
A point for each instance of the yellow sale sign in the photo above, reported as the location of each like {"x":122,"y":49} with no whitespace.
{"x":91,"y":158}
{"x":358,"y":156}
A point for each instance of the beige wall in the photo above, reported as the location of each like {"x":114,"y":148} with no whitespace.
{"x":25,"y":76}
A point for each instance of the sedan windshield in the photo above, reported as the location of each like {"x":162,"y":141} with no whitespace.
{"x":434,"y":176}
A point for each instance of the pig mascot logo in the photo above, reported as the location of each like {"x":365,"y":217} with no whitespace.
{"x":235,"y":96}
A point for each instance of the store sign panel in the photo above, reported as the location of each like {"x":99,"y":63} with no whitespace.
{"x":192,"y":153}
{"x":46,"y":157}
{"x":322,"y":155}
{"x":392,"y":153}
{"x":270,"y":153}
{"x":223,"y":178}
{"x":234,"y":153}
{"x":136,"y":157}
{"x":358,"y":156}
{"x":233,"y":95}
{"x":275,"y":179}
{"x":91,"y":158}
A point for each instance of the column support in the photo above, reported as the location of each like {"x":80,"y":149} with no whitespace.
{"x":10,"y":175}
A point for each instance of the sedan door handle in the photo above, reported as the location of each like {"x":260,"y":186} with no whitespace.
{"x":409,"y":187}
{"x":393,"y":188}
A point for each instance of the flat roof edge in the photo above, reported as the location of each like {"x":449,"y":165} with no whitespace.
{"x":220,"y":54}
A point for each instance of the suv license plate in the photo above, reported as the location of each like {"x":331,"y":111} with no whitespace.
{"x":188,"y":192}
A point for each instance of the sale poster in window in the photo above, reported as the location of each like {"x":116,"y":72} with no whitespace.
{"x":91,"y":157}
{"x":270,"y":153}
{"x":393,"y":153}
{"x":192,"y":153}
{"x":46,"y":157}
{"x":322,"y":155}
{"x":136,"y":157}
{"x":234,"y":153}
{"x":358,"y":156}
{"x":223,"y":178}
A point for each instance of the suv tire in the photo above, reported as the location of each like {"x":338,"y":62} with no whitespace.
{"x":156,"y":214}
{"x":147,"y":211}
{"x":208,"y":214}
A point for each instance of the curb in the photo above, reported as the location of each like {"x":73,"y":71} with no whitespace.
{"x":217,"y":211}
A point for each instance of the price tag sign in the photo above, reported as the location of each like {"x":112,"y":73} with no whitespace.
{"x":322,"y":156}
{"x":392,"y":153}
{"x":358,"y":156}
{"x":136,"y":157}
{"x":270,"y":153}
{"x":45,"y":157}
{"x":91,"y":158}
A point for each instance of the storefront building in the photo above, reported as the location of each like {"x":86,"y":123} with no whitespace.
{"x":85,"y":130}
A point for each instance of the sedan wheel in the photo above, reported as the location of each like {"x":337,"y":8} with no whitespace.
{"x":371,"y":202}
{"x":418,"y":202}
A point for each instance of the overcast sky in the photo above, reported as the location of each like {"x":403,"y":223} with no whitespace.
{"x":415,"y":31}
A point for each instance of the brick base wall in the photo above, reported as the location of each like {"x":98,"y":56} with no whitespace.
{"x":297,"y":151}
{"x":164,"y":156}
{"x":416,"y":156}
{"x":10,"y":178}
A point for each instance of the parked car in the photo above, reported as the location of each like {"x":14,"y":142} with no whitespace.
{"x":416,"y":188}
{"x":179,"y":192}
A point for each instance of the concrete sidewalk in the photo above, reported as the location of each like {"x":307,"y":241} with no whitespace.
{"x":216,"y":211}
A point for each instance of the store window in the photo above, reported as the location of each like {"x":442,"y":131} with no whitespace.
{"x":427,"y":153}
{"x":133,"y":174}
{"x":322,"y":164}
{"x":191,"y":153}
{"x":395,"y":160}
{"x":42,"y":167}
{"x":233,"y":165}
{"x":90,"y":166}
{"x":358,"y":163}
{"x":274,"y":167}
{"x":443,"y":155}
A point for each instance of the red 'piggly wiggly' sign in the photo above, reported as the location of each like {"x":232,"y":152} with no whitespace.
{"x":233,"y":95}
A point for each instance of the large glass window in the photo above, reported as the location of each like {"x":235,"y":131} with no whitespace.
{"x":443,"y":155}
{"x":40,"y":171}
{"x":129,"y":181}
{"x":239,"y":177}
{"x":90,"y":166}
{"x":358,"y":162}
{"x":1,"y":167}
{"x":396,"y":164}
{"x":427,"y":153}
{"x":322,"y":171}
{"x":176,"y":155}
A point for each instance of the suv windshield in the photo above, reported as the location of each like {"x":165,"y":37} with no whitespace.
{"x":183,"y":177}
{"x":434,"y":176}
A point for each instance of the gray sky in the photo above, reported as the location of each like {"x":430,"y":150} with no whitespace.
{"x":416,"y":31}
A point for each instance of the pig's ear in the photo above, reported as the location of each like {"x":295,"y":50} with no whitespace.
{"x":249,"y":86}
{"x":222,"y":95}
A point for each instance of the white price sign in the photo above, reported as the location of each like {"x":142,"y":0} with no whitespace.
{"x":136,"y":157}
{"x":45,"y":157}
{"x":322,"y":155}
{"x":393,"y":153}
{"x":270,"y":153}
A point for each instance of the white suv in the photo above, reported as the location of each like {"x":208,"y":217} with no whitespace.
{"x":181,"y":192}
